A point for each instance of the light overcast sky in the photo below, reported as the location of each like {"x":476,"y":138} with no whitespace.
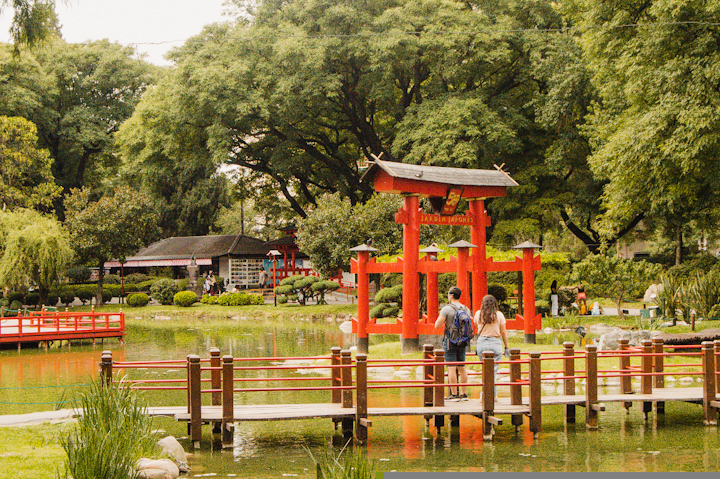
{"x":155,"y":26}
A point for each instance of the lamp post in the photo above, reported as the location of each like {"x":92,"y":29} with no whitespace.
{"x":273,"y":253}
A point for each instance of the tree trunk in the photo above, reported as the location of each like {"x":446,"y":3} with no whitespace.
{"x":101,"y":276}
{"x":678,"y":245}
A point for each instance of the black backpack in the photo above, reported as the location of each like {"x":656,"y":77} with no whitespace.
{"x":461,"y":331}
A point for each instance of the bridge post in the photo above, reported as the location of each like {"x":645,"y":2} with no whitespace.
{"x":625,"y":380}
{"x":439,"y":389}
{"x":568,"y":382}
{"x":195,"y":399}
{"x":228,"y":406}
{"x":535,"y":394}
{"x":488,"y":391}
{"x":336,"y":375}
{"x":428,"y":393}
{"x":646,"y":380}
{"x":427,"y":374}
{"x":591,"y":389}
{"x":106,"y":368}
{"x":215,"y":384}
{"x":717,"y":365}
{"x":347,"y":396}
{"x":361,"y":421}
{"x":709,"y":383}
{"x":659,"y":380}
{"x":515,"y":389}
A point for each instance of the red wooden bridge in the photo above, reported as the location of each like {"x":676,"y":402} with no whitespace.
{"x":46,"y":326}
{"x":210,"y":386}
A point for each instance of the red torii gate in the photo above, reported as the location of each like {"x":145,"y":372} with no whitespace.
{"x":444,"y":187}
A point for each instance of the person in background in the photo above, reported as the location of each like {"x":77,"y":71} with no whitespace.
{"x":492,"y":335}
{"x":554,"y":299}
{"x":582,"y":299}
{"x":453,"y":354}
{"x":263,"y":279}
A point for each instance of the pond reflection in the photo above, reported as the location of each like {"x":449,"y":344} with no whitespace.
{"x":625,"y":441}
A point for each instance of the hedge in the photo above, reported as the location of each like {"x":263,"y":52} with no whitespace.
{"x":185,"y":299}
{"x":137,"y":300}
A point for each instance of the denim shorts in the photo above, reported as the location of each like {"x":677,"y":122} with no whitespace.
{"x":487,"y":343}
{"x":453,"y":355}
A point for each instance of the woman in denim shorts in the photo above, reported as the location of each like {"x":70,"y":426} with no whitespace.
{"x":492,"y":335}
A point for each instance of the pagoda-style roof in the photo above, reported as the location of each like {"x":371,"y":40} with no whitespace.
{"x":399,"y":178}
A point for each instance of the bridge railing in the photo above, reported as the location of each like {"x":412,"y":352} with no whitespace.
{"x":217,"y":378}
{"x":49,"y":326}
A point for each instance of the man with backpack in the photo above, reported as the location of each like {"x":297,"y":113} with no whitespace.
{"x":456,"y":320}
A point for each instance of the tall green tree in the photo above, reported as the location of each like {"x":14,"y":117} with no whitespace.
{"x":96,"y":86}
{"x":654,"y":131}
{"x":114,"y":226}
{"x":34,"y":21}
{"x":335,"y":226}
{"x":34,"y":250}
{"x":26,"y":179}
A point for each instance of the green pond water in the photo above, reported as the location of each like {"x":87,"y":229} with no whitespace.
{"x":36,"y":380}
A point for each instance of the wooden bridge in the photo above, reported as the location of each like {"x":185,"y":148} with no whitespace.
{"x":45,"y":326}
{"x":349,"y":386}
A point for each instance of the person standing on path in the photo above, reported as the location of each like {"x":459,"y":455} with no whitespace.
{"x":263,"y":278}
{"x":453,"y":354}
{"x":492,"y":335}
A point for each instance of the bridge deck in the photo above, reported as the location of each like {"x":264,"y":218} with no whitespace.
{"x":278,"y":412}
{"x":33,"y":331}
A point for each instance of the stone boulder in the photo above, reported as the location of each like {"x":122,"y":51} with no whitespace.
{"x":174,"y":450}
{"x":609,"y":340}
{"x":163,"y":464}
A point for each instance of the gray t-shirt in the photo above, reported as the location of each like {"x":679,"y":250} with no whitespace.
{"x":449,"y":312}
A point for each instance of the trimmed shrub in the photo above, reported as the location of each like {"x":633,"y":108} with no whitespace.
{"x":164,"y":291}
{"x":183,"y":284}
{"x":136,"y":278}
{"x":111,"y":279}
{"x":131,"y":288}
{"x":85,"y":292}
{"x":16,"y":305}
{"x":185,"y":298}
{"x":498,"y":291}
{"x":32,"y":299}
{"x":137,"y":300}
{"x":240,"y":299}
{"x":389,"y":295}
{"x":107,"y":296}
{"x":145,"y":285}
{"x":111,"y":289}
{"x":209,"y":299}
{"x":78,"y":274}
{"x":15,"y":296}
{"x":65,"y":296}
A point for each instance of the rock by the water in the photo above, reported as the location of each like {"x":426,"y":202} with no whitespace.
{"x":609,"y":340}
{"x":154,"y":474}
{"x":170,"y":446}
{"x":650,"y":293}
{"x":165,"y":464}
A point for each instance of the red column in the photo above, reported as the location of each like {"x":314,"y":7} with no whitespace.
{"x":411,"y":282}
{"x":478,"y":238}
{"x":432,"y":296}
{"x":528,"y":295}
{"x":462,"y":270}
{"x":363,"y":285}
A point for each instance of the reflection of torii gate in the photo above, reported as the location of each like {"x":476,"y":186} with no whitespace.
{"x":444,"y":187}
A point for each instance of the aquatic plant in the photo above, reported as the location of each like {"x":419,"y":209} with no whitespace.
{"x":112,"y":433}
{"x":354,"y":464}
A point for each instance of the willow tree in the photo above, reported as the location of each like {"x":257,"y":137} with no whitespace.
{"x":35,"y":251}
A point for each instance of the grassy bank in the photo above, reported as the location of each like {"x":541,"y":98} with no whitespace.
{"x":32,"y":452}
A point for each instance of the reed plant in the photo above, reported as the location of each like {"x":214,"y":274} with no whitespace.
{"x":347,"y":464}
{"x":111,"y":434}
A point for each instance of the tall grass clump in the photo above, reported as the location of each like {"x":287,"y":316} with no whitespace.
{"x":354,"y":465}
{"x":112,"y":433}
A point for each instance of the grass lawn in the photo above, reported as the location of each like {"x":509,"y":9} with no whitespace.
{"x":33,"y":452}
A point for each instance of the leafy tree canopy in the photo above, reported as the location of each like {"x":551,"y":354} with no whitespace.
{"x":654,"y":130}
{"x":111,"y":227}
{"x":35,"y":250}
{"x":25,"y":171}
{"x":34,"y":21}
